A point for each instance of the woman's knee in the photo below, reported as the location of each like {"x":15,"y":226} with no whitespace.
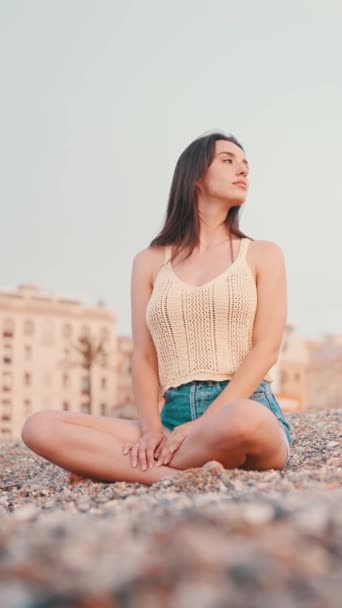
{"x":236,"y":421}
{"x":36,"y":426}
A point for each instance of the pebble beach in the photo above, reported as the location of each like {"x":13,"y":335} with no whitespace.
{"x":210,"y":538}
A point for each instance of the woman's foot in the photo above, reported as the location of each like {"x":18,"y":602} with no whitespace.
{"x":74,"y":479}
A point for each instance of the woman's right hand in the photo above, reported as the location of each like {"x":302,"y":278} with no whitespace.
{"x":142,"y":451}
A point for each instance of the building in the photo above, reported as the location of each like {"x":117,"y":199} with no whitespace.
{"x":324,"y":375}
{"x":293,"y":361}
{"x":125,"y":392}
{"x":56,"y":353}
{"x":310,"y":372}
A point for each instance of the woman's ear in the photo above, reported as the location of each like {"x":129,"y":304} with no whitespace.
{"x":198,"y":185}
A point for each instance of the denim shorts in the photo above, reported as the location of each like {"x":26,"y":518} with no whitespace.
{"x":190,"y":400}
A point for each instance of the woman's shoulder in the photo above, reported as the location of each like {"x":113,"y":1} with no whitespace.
{"x":265,"y":248}
{"x":267,"y":255}
{"x":150,"y":254}
{"x":151,"y":258}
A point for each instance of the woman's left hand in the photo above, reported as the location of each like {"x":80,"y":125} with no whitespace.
{"x":170,"y":445}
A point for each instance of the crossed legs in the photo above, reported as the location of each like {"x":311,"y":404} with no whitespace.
{"x":241,"y":434}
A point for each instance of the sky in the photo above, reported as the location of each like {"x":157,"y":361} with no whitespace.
{"x":98,"y":100}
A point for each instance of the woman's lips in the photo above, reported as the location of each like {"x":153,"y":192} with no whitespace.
{"x":240,"y":185}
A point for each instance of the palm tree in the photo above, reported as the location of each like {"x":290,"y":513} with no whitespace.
{"x":92,"y":352}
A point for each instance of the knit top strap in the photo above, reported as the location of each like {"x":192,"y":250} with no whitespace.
{"x":243,"y":248}
{"x":167,"y":253}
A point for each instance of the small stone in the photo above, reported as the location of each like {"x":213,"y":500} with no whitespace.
{"x":213,"y":467}
{"x":110,"y":505}
{"x":332,"y":444}
{"x":258,"y":514}
{"x":166,"y":483}
{"x":49,"y":503}
{"x":312,"y":521}
{"x":26,"y":513}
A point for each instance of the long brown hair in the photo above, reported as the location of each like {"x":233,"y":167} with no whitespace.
{"x":181,"y":226}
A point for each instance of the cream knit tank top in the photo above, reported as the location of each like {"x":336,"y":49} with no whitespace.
{"x":202,"y":333}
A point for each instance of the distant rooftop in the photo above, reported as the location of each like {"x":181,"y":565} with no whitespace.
{"x":34,"y":292}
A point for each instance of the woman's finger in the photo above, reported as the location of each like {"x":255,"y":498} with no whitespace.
{"x":150,"y":456}
{"x":172,"y":447}
{"x":164,"y":454}
{"x":169,"y":454}
{"x":142,"y":457}
{"x":126,"y":448}
{"x":159,"y":449}
{"x":134,"y":455}
{"x":151,"y":446}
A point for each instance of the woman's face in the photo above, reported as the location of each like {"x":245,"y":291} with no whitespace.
{"x":228,"y":166}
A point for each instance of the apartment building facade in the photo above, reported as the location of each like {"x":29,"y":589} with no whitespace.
{"x":56,"y":353}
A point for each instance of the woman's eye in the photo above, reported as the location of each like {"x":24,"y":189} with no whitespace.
{"x":229,"y":159}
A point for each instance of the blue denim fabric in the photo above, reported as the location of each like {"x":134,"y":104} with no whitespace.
{"x":190,"y":400}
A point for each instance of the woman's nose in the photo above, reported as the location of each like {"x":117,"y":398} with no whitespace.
{"x":243,"y":170}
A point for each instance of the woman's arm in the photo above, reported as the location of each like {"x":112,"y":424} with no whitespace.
{"x":268,"y":330}
{"x":145,"y":377}
{"x":146,"y":395}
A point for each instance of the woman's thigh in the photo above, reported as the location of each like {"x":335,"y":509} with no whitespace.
{"x":189,"y":401}
{"x":121,"y":428}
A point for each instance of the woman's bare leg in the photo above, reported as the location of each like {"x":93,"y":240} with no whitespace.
{"x":88,"y":452}
{"x":91,"y":446}
{"x":242,"y":434}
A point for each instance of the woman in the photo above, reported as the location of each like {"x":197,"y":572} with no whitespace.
{"x":209,"y":308}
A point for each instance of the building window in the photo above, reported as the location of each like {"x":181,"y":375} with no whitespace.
{"x":6,"y":410}
{"x":27,"y":407}
{"x":66,"y":380}
{"x":297,"y":377}
{"x":103,"y":409}
{"x":85,"y":384}
{"x":85,"y":331}
{"x":28,"y":327}
{"x":103,"y":383}
{"x":7,"y":381}
{"x":8,"y":352}
{"x":8,"y":328}
{"x":28,"y":352}
{"x":66,"y":405}
{"x":27,"y":379}
{"x":85,"y":408}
